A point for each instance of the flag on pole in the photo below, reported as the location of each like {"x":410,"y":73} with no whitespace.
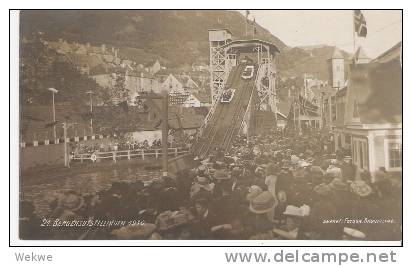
{"x":360,"y":23}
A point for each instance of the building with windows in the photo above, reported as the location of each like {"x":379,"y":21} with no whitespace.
{"x":370,"y":113}
{"x":336,"y":66}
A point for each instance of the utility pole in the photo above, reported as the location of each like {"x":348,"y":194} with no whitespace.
{"x":91,"y":111}
{"x":304,"y":84}
{"x":165,"y":131}
{"x":299,"y":124}
{"x":330,"y":112}
{"x":65,"y":143}
{"x":53,"y":90}
{"x":321,"y":110}
{"x":294,"y":113}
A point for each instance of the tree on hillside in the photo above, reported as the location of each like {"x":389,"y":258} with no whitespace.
{"x":35,"y":65}
{"x":120,"y":91}
{"x":42,"y":68}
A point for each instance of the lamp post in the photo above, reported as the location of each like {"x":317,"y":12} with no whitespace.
{"x":53,"y":90}
{"x":91,"y":111}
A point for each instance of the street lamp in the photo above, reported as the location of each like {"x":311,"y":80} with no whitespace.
{"x":53,"y":90}
{"x":91,"y":110}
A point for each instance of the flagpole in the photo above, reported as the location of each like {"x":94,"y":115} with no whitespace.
{"x":253,"y":32}
{"x":354,"y":35}
{"x":246,"y":24}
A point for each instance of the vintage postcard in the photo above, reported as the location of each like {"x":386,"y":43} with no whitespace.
{"x":210,"y":125}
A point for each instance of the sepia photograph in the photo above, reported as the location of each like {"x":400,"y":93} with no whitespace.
{"x":210,"y":125}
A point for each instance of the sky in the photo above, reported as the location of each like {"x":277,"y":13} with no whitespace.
{"x":313,"y":27}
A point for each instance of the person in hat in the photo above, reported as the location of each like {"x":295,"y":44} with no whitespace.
{"x":294,"y":223}
{"x":226,"y":200}
{"x":253,"y":192}
{"x":365,"y":205}
{"x":170,"y":224}
{"x":323,"y":209}
{"x":30,"y":224}
{"x":342,"y":197}
{"x":201,"y":183}
{"x":260,"y":221}
{"x":205,"y":216}
{"x":352,"y":234}
{"x":316,"y":175}
{"x":67,"y":201}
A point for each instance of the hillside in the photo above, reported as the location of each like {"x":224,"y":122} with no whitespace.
{"x":180,"y":37}
{"x":312,"y":60}
{"x":177,"y":38}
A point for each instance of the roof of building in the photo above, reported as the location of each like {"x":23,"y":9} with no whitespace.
{"x":360,"y":54}
{"x":203,"y":97}
{"x":84,"y":60}
{"x":226,"y":29}
{"x":188,"y":118}
{"x":374,"y":93}
{"x":151,"y":62}
{"x":326,"y":89}
{"x":337,"y":54}
{"x":392,"y":53}
{"x":272,"y":47}
{"x":284,"y":106}
{"x":203,"y":110}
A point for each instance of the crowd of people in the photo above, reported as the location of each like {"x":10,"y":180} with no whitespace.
{"x":278,"y":186}
{"x":118,"y":145}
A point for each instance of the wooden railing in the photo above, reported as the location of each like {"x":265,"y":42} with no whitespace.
{"x":127,"y":154}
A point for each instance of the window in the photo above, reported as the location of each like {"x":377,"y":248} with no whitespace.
{"x":360,"y":153}
{"x":393,"y":154}
{"x":265,"y":60}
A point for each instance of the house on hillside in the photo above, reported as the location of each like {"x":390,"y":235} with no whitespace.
{"x":178,"y":98}
{"x":153,"y":66}
{"x":369,"y":114}
{"x":198,"y":100}
{"x":188,"y":83}
{"x":140,"y":81}
{"x":137,"y":80}
{"x":172,"y":84}
{"x":179,"y":83}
